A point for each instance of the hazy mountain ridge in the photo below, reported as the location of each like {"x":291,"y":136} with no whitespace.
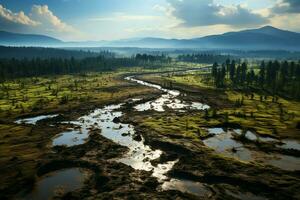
{"x":17,"y":39}
{"x":265,"y":38}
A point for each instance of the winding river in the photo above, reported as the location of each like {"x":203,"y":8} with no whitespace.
{"x":140,"y":155}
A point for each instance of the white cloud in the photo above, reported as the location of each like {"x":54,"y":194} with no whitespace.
{"x":18,"y":18}
{"x":165,"y":9}
{"x":41,"y":20}
{"x":48,"y":20}
{"x":288,"y":22}
{"x":205,"y":12}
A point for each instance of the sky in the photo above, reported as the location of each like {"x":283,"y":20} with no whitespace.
{"x":94,"y":20}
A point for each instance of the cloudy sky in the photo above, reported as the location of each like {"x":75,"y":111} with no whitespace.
{"x":72,"y":20}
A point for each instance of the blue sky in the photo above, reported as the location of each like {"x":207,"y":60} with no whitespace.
{"x":119,"y":19}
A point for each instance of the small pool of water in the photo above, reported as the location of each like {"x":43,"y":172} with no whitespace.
{"x":196,"y":188}
{"x":290,"y":144}
{"x":253,"y":137}
{"x":161,"y":169}
{"x":199,"y":106}
{"x":58,"y":182}
{"x":71,"y":138}
{"x":224,"y":143}
{"x":34,"y":120}
{"x":215,"y":131}
{"x":284,"y":162}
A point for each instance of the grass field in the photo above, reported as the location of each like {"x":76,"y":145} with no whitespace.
{"x":43,"y":94}
{"x":255,"y":111}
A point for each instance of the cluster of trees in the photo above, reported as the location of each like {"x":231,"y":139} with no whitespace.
{"x":145,"y":58}
{"x":276,"y":77}
{"x":202,"y":58}
{"x":15,"y":68}
{"x":270,"y":54}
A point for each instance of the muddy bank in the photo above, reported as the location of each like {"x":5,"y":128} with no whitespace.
{"x":200,"y":164}
{"x":107,"y":178}
{"x":31,"y":143}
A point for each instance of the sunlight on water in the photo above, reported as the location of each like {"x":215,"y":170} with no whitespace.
{"x":34,"y":120}
{"x":223,"y":142}
{"x":71,"y":138}
{"x":168,"y":100}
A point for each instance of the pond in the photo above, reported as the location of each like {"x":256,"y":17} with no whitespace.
{"x":290,"y":144}
{"x":223,"y":142}
{"x":57,"y":183}
{"x":195,"y":188}
{"x":71,"y":138}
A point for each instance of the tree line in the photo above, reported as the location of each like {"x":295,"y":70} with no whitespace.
{"x":16,"y":68}
{"x":278,"y":78}
{"x":145,"y":58}
{"x":202,"y":58}
{"x":45,"y":53}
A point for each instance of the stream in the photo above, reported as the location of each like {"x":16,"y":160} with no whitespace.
{"x":139,"y":155}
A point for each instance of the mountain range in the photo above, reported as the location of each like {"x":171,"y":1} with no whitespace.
{"x":265,"y":38}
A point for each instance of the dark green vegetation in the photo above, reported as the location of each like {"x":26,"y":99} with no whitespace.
{"x":273,"y":77}
{"x":202,"y":58}
{"x":13,"y":68}
{"x":236,"y":107}
{"x":43,"y":53}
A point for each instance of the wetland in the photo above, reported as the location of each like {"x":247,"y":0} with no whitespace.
{"x":145,"y":135}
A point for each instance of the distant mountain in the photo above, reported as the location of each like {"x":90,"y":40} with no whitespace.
{"x":17,"y":39}
{"x":265,"y":38}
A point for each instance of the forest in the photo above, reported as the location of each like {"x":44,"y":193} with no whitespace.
{"x":16,"y":68}
{"x":276,"y":78}
{"x":46,"y":53}
{"x":203,"y":58}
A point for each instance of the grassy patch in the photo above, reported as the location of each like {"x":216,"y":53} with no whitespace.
{"x":29,"y":95}
{"x":267,"y":116}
